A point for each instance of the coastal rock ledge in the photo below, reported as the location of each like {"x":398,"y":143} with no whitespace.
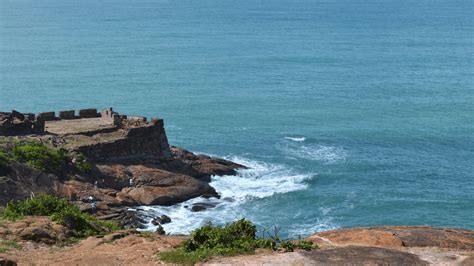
{"x":130,"y":162}
{"x":391,"y":245}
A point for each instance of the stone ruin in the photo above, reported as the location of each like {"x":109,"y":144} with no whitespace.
{"x":15,"y":123}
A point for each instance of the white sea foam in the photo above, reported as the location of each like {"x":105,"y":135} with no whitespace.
{"x":261,"y":180}
{"x":322,"y":153}
{"x":296,"y":139}
{"x":324,"y":222}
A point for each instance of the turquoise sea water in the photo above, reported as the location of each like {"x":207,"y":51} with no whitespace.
{"x":350,"y":113}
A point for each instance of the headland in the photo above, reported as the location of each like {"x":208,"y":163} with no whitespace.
{"x":105,"y":164}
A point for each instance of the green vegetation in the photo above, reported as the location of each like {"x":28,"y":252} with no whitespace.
{"x":43,"y":158}
{"x":60,"y":211}
{"x":40,"y":156}
{"x":290,"y":246}
{"x":3,"y":159}
{"x":235,"y":238}
{"x":6,"y":245}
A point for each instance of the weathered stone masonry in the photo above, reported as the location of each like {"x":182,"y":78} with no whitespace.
{"x":140,"y":142}
{"x":132,"y":137}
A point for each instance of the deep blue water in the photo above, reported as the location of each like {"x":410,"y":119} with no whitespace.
{"x":351,"y":113}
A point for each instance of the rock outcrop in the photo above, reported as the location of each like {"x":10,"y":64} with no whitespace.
{"x":38,"y":229}
{"x":130,"y":247}
{"x":398,"y":236}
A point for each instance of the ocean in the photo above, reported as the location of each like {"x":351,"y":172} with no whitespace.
{"x":348,"y":112}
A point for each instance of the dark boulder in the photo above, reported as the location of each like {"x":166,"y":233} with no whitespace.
{"x":163,"y":219}
{"x":197,"y":207}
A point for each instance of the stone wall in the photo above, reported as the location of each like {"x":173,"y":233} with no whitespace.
{"x":112,"y":117}
{"x":147,"y":141}
{"x":15,"y":123}
{"x":89,"y":113}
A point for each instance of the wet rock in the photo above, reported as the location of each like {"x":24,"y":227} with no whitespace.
{"x":228,"y":199}
{"x":208,"y":196}
{"x":203,"y":167}
{"x":197,"y":207}
{"x":163,"y":219}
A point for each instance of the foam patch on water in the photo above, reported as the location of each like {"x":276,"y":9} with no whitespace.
{"x":322,"y":223}
{"x":322,"y":153}
{"x":296,"y":139}
{"x":261,"y":180}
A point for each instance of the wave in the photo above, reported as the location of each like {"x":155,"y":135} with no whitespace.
{"x":260,"y":180}
{"x":296,"y":139}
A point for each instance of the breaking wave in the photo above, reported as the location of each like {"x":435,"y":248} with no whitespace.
{"x":260,"y":180}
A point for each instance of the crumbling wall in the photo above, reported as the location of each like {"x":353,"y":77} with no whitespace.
{"x":112,"y":117}
{"x":88,"y":113}
{"x":147,"y":141}
{"x":15,"y":123}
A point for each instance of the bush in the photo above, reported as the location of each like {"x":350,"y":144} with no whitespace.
{"x":207,"y":241}
{"x":40,"y":156}
{"x":82,"y":224}
{"x":305,"y":245}
{"x":60,"y":211}
{"x":41,"y":205}
{"x":235,"y":238}
{"x":84,"y":167}
{"x":81,"y":164}
{"x":43,"y":158}
{"x":3,"y":159}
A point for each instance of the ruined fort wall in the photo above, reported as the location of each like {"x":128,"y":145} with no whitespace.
{"x":15,"y":123}
{"x":140,"y":143}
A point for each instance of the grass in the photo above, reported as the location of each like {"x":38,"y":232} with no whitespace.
{"x":6,"y":245}
{"x":60,"y":211}
{"x":233,"y":239}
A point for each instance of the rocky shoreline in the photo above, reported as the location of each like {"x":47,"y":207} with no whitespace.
{"x":132,"y":163}
{"x":108,"y":163}
{"x":37,"y":244}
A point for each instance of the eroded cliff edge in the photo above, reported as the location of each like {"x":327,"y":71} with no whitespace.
{"x":131,"y":162}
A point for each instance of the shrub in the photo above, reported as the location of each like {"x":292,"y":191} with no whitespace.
{"x":41,"y":205}
{"x":288,"y":246}
{"x":44,"y":158}
{"x":305,"y":245}
{"x":60,"y":211}
{"x":236,"y":238}
{"x":3,"y":159}
{"x":40,"y":156}
{"x":84,"y":167}
{"x":82,"y":224}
